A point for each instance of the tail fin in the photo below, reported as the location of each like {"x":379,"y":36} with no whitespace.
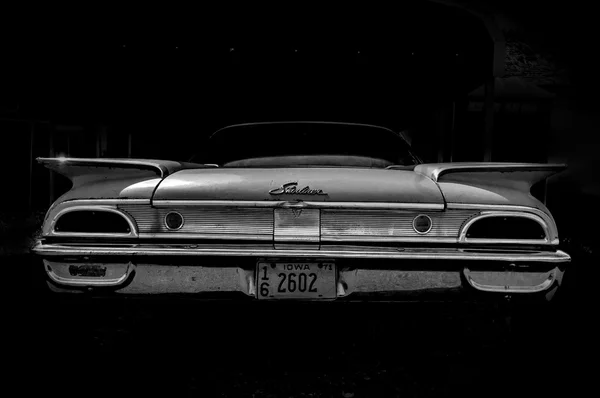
{"x":85,"y":170}
{"x":521,"y":176}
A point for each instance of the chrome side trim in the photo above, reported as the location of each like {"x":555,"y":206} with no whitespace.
{"x":346,"y":252}
{"x":488,"y":214}
{"x":76,"y":207}
{"x":388,"y":239}
{"x":197,"y":236}
{"x":123,"y":201}
{"x":301,"y":204}
{"x":269,"y":238}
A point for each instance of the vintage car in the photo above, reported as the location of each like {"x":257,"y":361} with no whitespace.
{"x":301,"y":211}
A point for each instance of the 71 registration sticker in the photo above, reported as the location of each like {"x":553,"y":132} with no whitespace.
{"x":279,"y":280}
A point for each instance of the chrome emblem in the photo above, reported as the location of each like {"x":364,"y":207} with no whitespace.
{"x":291,"y":188}
{"x":296,"y":212}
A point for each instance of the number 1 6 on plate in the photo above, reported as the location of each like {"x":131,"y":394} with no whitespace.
{"x":295,"y":280}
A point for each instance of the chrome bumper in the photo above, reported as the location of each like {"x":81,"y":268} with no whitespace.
{"x":135,"y":269}
{"x":305,"y":252}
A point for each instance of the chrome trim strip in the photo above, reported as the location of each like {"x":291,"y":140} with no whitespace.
{"x":175,"y":235}
{"x":400,"y":254}
{"x":511,"y":241}
{"x":76,"y":207}
{"x":375,"y":238}
{"x":474,"y":206}
{"x":123,"y":201}
{"x":301,"y":204}
{"x":488,"y":214}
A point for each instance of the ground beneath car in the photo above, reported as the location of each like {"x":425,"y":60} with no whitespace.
{"x":188,"y":348}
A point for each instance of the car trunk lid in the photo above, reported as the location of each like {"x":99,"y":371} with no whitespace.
{"x":315,"y":184}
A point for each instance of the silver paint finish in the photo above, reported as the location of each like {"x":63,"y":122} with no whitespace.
{"x":436,"y":171}
{"x":489,"y":183}
{"x":341,"y":185}
{"x":159,"y":166}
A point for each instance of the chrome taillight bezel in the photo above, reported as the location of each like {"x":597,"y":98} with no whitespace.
{"x":463,"y":238}
{"x":73,"y":208}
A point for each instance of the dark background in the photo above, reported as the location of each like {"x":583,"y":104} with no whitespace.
{"x":152,"y":81}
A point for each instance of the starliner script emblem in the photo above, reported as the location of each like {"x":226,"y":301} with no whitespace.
{"x":291,"y":188}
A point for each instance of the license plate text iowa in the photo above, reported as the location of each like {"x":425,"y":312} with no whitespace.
{"x":295,"y":280}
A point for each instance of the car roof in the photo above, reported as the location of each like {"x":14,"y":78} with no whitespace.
{"x":305,"y":122}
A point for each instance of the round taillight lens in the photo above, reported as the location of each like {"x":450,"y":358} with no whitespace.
{"x":422,"y":224}
{"x":173,"y":220}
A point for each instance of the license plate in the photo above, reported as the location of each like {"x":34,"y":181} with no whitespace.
{"x":279,"y":280}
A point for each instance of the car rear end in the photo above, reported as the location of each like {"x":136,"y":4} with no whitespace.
{"x":300,"y":249}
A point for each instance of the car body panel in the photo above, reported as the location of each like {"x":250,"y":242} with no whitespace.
{"x":336,"y":184}
{"x":489,"y":183}
{"x":113,"y":178}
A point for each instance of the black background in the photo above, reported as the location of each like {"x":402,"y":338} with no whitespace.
{"x":159,"y":69}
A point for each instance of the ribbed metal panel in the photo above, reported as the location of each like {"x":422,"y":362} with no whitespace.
{"x":295,"y":225}
{"x":208,"y":220}
{"x":389,"y":223}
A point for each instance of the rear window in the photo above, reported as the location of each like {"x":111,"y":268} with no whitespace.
{"x":267,"y":140}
